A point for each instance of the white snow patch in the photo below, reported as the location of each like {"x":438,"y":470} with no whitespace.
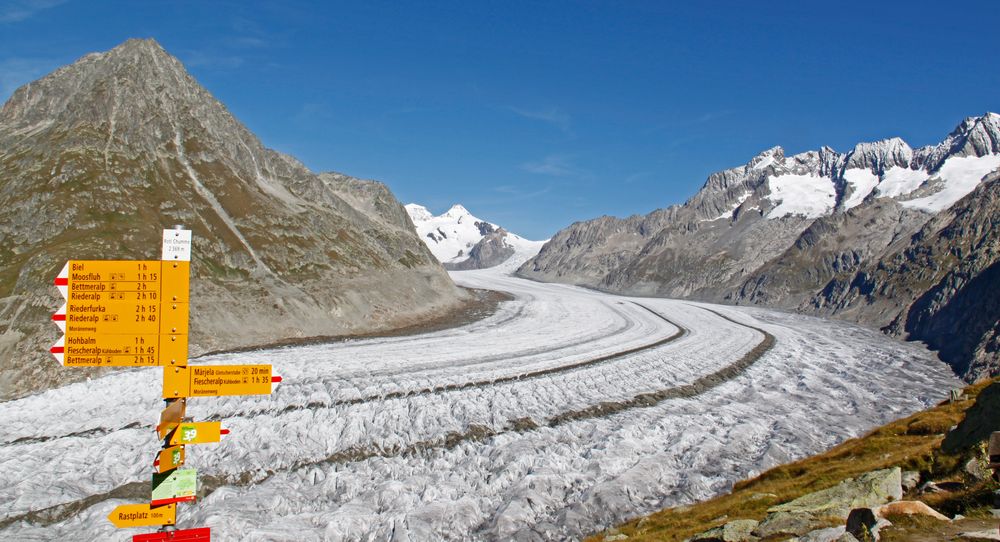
{"x":862,"y":182}
{"x":729,"y":213}
{"x":959,"y":175}
{"x":899,"y":181}
{"x":764,"y":162}
{"x":805,"y":195}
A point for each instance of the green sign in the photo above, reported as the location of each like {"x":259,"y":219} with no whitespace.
{"x":175,"y":484}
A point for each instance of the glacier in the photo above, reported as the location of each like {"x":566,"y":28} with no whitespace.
{"x":496,"y":430}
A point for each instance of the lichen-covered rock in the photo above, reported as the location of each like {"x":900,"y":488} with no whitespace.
{"x":734,"y":531}
{"x":868,"y":490}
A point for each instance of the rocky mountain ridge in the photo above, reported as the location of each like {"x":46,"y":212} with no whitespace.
{"x":100,"y":155}
{"x":780,"y":230}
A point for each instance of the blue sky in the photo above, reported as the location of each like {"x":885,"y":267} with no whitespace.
{"x":537,"y":114}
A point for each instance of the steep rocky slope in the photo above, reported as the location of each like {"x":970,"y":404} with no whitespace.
{"x":780,"y":231}
{"x":943,"y":288}
{"x":98,"y":156}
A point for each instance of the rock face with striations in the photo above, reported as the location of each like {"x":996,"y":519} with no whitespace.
{"x":873,"y":235}
{"x":97,"y":157}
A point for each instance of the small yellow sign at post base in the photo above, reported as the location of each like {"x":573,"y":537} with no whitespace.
{"x":143,"y":515}
{"x":197,"y":433}
{"x":170,"y":459}
{"x":216,"y":380}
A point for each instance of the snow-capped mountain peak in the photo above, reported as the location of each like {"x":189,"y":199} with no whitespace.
{"x":457,"y":234}
{"x":450,"y":235}
{"x":457,"y":211}
{"x":418,"y":213}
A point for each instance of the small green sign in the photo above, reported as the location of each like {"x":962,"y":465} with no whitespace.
{"x":174,"y":484}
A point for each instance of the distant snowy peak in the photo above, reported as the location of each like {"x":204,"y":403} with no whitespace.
{"x":819,"y":183}
{"x":452,"y":235}
{"x":418,"y":213}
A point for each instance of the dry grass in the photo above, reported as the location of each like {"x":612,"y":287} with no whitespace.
{"x":912,"y":443}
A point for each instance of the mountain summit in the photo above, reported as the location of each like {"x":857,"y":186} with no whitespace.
{"x":99,"y":156}
{"x":461,"y":241}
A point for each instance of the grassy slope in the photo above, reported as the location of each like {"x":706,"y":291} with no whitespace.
{"x":913,"y":443}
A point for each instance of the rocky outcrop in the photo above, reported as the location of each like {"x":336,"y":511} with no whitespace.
{"x":868,"y":490}
{"x":490,"y":251}
{"x":97,"y":157}
{"x":734,"y":531}
{"x":981,"y":420}
{"x":846,"y":235}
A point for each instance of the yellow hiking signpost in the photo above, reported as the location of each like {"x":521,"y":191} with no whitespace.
{"x":134,"y":313}
{"x":143,"y":515}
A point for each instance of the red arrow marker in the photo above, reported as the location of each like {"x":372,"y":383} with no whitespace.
{"x":202,"y":534}
{"x":162,"y":502}
{"x":275,"y":379}
{"x":223,"y":431}
{"x":60,"y":318}
{"x":62,"y":281}
{"x":58,"y":349}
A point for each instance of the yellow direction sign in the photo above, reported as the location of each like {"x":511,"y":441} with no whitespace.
{"x":123,"y":313}
{"x":217,"y":380}
{"x":170,"y":459}
{"x":143,"y":515}
{"x":197,"y":433}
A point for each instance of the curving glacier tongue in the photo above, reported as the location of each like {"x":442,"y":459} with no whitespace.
{"x":564,"y":412}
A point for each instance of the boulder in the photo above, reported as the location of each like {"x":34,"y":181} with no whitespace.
{"x":830,"y":534}
{"x":909,"y":508}
{"x":868,"y":490}
{"x":910,"y":479}
{"x":788,"y":523}
{"x":861,"y":523}
{"x":738,"y":530}
{"x":977,"y":470}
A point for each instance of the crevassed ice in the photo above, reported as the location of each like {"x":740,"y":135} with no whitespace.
{"x":959,"y":175}
{"x":805,"y":195}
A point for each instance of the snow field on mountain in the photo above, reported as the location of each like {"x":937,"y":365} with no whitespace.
{"x":959,"y":175}
{"x":806,"y":195}
{"x":862,"y":182}
{"x":899,"y":181}
{"x":362,"y":441}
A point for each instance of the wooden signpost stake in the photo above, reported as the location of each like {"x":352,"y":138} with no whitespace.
{"x":134,"y":313}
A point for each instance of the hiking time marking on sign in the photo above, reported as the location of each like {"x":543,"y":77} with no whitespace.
{"x":217,"y":380}
{"x":123,"y":313}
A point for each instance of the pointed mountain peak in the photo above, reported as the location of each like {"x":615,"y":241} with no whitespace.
{"x":137,"y":73}
{"x":880,"y":156}
{"x":457,"y":210}
{"x":766,"y":158}
{"x":974,"y":136}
